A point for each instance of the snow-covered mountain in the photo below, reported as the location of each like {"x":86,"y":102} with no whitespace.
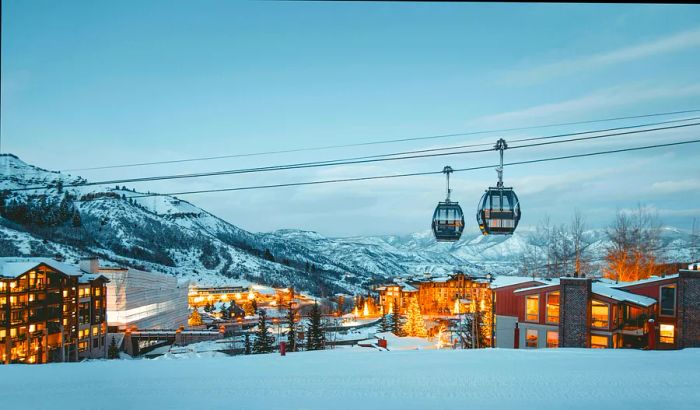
{"x":167,"y":234}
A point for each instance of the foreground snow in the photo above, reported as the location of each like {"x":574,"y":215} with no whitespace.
{"x":363,"y":378}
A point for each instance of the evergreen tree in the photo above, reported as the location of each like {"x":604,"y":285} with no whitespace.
{"x":384,"y":324}
{"x":224,"y":310}
{"x":113,"y":350}
{"x":207,"y":307}
{"x":316,"y":339}
{"x":76,"y":221}
{"x":263,"y":340}
{"x":247,"y":348}
{"x":414,"y":325}
{"x":292,"y":335}
{"x":396,"y":322}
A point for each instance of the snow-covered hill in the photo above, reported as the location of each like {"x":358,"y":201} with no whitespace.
{"x":171,"y":235}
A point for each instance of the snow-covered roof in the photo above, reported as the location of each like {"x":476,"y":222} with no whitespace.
{"x":405,"y":287}
{"x":502,"y":281}
{"x":544,"y":283}
{"x":89,"y":277}
{"x":602,"y":289}
{"x":644,"y":281}
{"x":12,"y":267}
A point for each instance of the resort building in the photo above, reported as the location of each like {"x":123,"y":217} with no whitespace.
{"x":656,"y":313}
{"x":138,"y":299}
{"x":50,"y":312}
{"x":437,"y":295}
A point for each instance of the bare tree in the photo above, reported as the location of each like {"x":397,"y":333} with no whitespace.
{"x":634,"y":243}
{"x":694,"y":242}
{"x":579,"y":243}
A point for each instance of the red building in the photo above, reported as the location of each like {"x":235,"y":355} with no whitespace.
{"x":658,"y":313}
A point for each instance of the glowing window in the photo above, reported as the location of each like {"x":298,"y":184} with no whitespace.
{"x":532,"y":308}
{"x":666,"y":333}
{"x":531,"y":338}
{"x":553,"y":307}
{"x":599,"y":342}
{"x":552,"y":338}
{"x":600,"y":314}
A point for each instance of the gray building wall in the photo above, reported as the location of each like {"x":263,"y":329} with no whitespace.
{"x":505,"y":331}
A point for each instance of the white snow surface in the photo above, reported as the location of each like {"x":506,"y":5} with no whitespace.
{"x":365,"y":378}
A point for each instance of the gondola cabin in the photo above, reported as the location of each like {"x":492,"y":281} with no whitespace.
{"x":448,"y":222}
{"x":499,"y":211}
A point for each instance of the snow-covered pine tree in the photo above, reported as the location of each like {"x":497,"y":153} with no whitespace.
{"x":414,"y":325}
{"x":396,"y":322}
{"x":247,"y":347}
{"x":263,"y":340}
{"x":384,"y":324}
{"x":292,"y":334}
{"x":316,"y":339}
{"x":113,"y":350}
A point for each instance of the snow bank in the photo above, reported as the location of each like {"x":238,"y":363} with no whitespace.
{"x":360,"y":378}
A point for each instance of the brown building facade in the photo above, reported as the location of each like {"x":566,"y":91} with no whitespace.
{"x":50,"y":312}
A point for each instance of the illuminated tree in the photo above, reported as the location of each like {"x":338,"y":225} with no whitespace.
{"x":195,"y":319}
{"x":414,"y":325}
{"x":634,"y":241}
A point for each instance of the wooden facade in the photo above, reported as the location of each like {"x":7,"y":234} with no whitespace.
{"x":50,"y":314}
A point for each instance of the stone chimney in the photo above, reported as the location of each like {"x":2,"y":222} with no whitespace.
{"x":688,"y":295}
{"x":575,"y":312}
{"x":90,"y":265}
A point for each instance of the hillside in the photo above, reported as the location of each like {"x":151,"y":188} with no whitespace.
{"x":167,"y":234}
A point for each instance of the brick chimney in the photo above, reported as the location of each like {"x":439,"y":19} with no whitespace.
{"x":575,"y":312}
{"x":90,"y":264}
{"x":688,"y":295}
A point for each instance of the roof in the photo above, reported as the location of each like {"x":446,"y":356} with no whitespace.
{"x":602,"y":289}
{"x":502,"y":281}
{"x":89,"y":277}
{"x":644,"y":281}
{"x":405,"y":287}
{"x":12,"y":267}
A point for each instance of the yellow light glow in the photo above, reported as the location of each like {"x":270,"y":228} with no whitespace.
{"x":251,"y":295}
{"x":357,"y":313}
{"x":391,"y":307}
{"x":482,"y":305}
{"x":455,"y":310}
{"x":365,"y":310}
{"x":238,"y":296}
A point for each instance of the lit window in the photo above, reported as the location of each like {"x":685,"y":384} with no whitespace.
{"x":599,"y":342}
{"x":95,"y":330}
{"x":600,"y":313}
{"x":552,"y":338}
{"x":531,"y":338}
{"x":668,"y":300}
{"x":532,"y":308}
{"x":553,"y":307}
{"x":666,"y":333}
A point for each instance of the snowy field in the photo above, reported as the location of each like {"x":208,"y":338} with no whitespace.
{"x":363,"y":378}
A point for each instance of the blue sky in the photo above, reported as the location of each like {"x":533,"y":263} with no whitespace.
{"x":98,"y":83}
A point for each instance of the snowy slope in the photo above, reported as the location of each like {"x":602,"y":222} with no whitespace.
{"x":365,"y":378}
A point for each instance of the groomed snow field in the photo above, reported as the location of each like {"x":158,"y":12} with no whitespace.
{"x":365,"y":378}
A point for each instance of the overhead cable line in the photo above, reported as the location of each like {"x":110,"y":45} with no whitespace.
{"x":412,"y":174}
{"x":318,"y":164}
{"x":461,"y":134}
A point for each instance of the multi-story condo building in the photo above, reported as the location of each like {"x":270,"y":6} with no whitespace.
{"x":661,"y":312}
{"x":50,"y":312}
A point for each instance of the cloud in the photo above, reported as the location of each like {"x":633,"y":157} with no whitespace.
{"x":669,"y":187}
{"x":596,"y":101}
{"x":675,"y":42}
